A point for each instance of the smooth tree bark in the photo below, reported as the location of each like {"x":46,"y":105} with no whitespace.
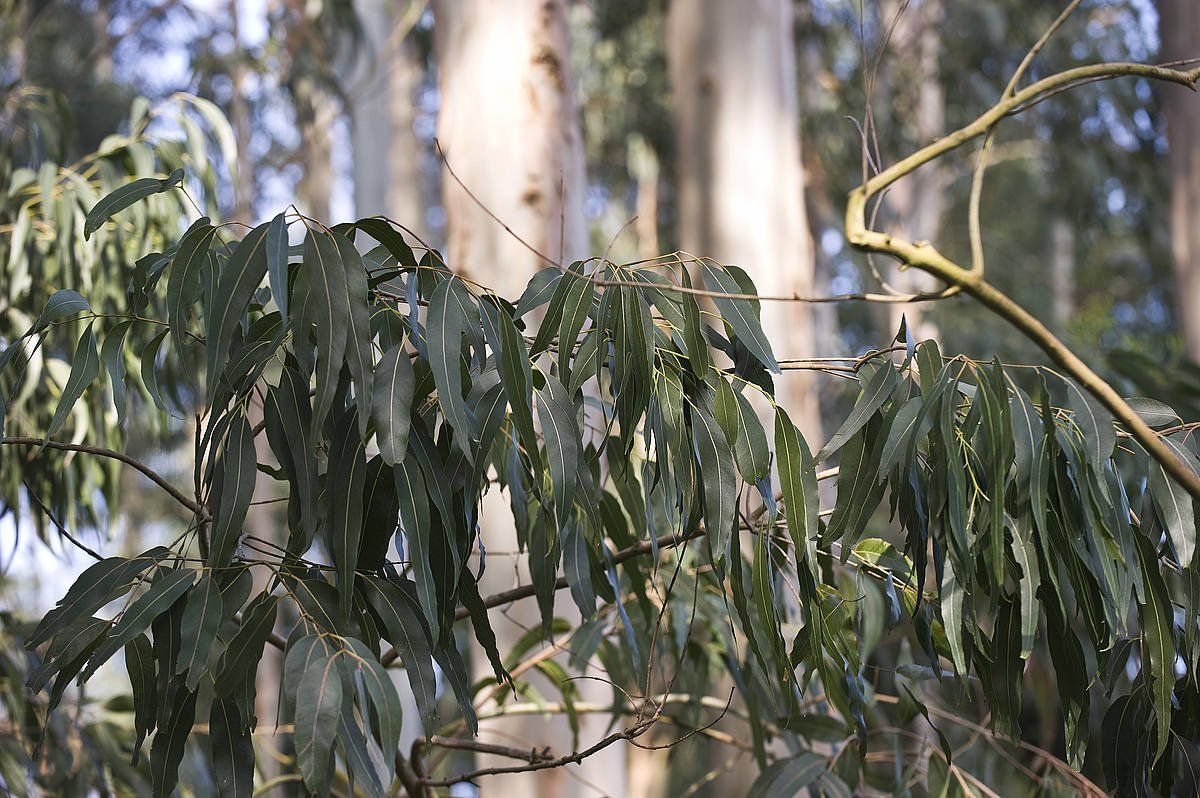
{"x":741,"y":186}
{"x":508,"y":126}
{"x":382,"y":88}
{"x":509,"y":129}
{"x":1179,"y":31}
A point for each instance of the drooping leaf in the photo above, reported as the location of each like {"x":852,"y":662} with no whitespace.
{"x":139,"y":662}
{"x":85,"y":367}
{"x":126,"y":195}
{"x":392,"y":403}
{"x":161,"y":594}
{"x":740,"y":314}
{"x":402,"y":626}
{"x":322,"y":296}
{"x":183,"y":281}
{"x":242,"y":655}
{"x":318,"y":707}
{"x":236,"y":285}
{"x":715,"y":460}
{"x":236,"y":474}
{"x":556,"y":413}
{"x":359,"y":357}
{"x":202,"y":617}
{"x":232,"y":750}
{"x":345,"y":483}
{"x":277,"y":261}
{"x":798,"y":480}
{"x":452,"y":312}
{"x":166,"y":752}
{"x":874,"y":393}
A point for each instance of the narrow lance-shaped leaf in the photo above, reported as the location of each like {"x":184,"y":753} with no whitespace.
{"x":1174,"y":506}
{"x":557,"y":415}
{"x":277,"y":262}
{"x":112,"y":352}
{"x":392,"y":403}
{"x":236,"y":285}
{"x":328,"y":306}
{"x":798,"y":480}
{"x":167,"y":750}
{"x":740,"y":314}
{"x":402,"y":626}
{"x":236,"y":472}
{"x":715,"y":460}
{"x":232,"y":750}
{"x":1158,"y":641}
{"x":874,"y":393}
{"x":139,"y":615}
{"x":244,"y":651}
{"x":85,"y":367}
{"x":359,"y":357}
{"x":139,"y":662}
{"x":318,"y":707}
{"x":202,"y":616}
{"x":344,"y":493}
{"x":126,"y":195}
{"x":183,"y":281}
{"x":451,"y":312}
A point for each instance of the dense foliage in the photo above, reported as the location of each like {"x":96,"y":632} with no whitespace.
{"x":627,"y":417}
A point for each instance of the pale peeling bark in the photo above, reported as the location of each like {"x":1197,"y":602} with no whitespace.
{"x":1179,"y":29}
{"x":509,"y":128}
{"x":916,"y":204}
{"x":741,"y":186}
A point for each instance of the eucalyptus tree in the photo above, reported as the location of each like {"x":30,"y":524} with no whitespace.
{"x":1035,"y":520}
{"x":1179,"y":26}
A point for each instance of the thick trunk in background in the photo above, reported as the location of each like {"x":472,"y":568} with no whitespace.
{"x":316,"y":111}
{"x":732,"y":68}
{"x":915,"y":204}
{"x":509,"y":128}
{"x":741,"y":186}
{"x":383,"y":96}
{"x":381,"y":87}
{"x":239,"y":119}
{"x":1179,"y":30}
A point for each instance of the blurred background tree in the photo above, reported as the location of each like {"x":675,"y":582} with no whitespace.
{"x":634,"y":128}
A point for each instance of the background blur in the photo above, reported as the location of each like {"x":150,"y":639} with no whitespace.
{"x":726,"y":129}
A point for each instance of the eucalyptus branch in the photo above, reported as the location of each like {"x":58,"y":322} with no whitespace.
{"x":924,"y":256}
{"x":112,"y":454}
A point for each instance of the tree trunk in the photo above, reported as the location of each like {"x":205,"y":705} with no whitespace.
{"x":1179,"y":31}
{"x":916,"y":204}
{"x":383,"y":94}
{"x":732,"y":68}
{"x":239,"y":119}
{"x":509,"y":128}
{"x":315,"y":114}
{"x":741,"y":186}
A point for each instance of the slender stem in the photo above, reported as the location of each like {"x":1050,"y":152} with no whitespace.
{"x":112,"y":454}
